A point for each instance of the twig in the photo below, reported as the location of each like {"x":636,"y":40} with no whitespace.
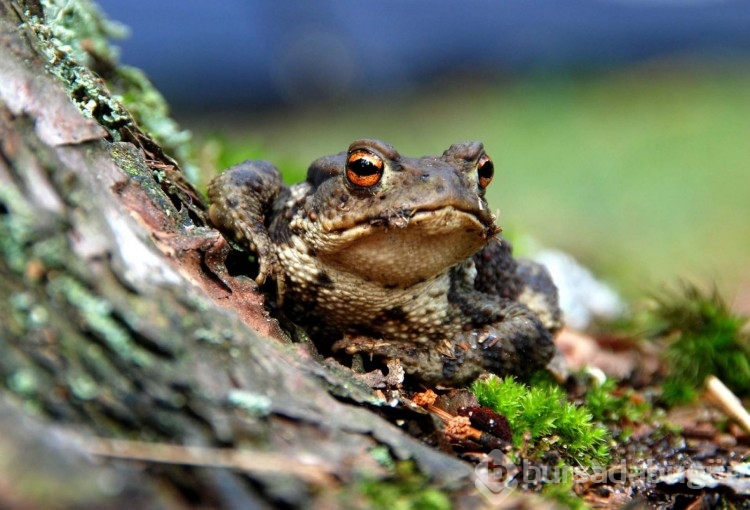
{"x":311,"y":469}
{"x":728,"y":402}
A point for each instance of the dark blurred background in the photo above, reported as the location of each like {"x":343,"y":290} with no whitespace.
{"x":619,"y":128}
{"x":255,"y":53}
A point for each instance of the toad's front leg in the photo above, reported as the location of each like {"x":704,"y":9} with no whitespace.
{"x":242,"y":200}
{"x":525,"y":281}
{"x":510,"y":339}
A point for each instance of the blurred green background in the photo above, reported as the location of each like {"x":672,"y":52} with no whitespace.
{"x":642,"y":173}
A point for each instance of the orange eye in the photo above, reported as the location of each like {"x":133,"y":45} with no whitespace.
{"x":485,"y":171}
{"x":363,"y":168}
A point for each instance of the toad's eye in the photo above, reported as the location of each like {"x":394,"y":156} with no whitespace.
{"x":485,"y":171}
{"x":364,"y":169}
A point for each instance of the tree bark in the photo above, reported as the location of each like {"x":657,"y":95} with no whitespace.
{"x":118,"y":320}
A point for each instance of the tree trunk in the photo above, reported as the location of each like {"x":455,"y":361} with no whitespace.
{"x":118,"y":320}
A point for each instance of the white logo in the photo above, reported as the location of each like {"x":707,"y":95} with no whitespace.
{"x":495,"y":477}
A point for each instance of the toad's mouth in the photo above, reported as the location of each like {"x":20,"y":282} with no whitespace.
{"x":400,"y":250}
{"x":401,"y":217}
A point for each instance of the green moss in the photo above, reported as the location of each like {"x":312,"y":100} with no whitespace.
{"x":703,"y":337}
{"x":407,"y":489}
{"x":622,"y":408}
{"x":541,"y":419}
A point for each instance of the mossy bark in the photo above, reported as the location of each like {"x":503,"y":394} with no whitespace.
{"x":118,"y":319}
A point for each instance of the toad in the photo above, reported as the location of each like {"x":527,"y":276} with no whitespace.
{"x":394,"y":257}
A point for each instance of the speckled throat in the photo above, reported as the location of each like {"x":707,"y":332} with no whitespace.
{"x":412,"y":251}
